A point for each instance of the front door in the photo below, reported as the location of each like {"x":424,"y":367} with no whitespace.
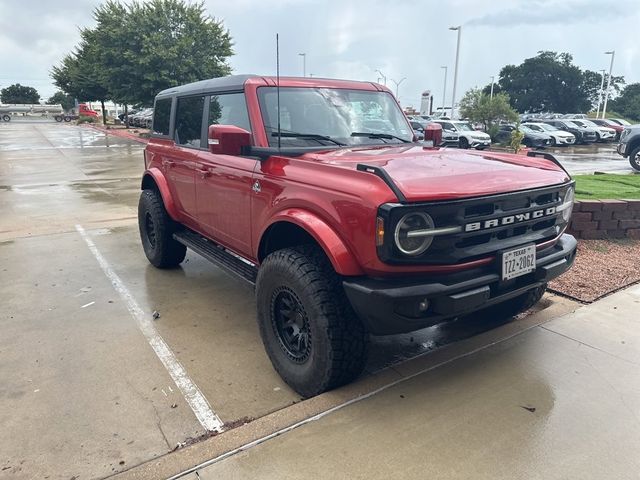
{"x":224,"y":182}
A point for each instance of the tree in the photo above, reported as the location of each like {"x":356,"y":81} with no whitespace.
{"x":63,"y":99}
{"x":551,"y":82}
{"x":17,"y":93}
{"x":79,"y":74}
{"x":479,"y":107}
{"x":628,"y":103}
{"x":148,"y":47}
{"x":591,"y":82}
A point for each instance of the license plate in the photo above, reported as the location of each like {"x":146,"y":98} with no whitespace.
{"x":518,"y":262}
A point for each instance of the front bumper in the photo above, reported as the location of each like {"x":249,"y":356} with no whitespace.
{"x":622,"y":149}
{"x":565,"y":140}
{"x":386,"y":306}
{"x":475,"y":143}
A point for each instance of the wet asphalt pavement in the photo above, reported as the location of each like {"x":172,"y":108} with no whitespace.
{"x":82,"y":394}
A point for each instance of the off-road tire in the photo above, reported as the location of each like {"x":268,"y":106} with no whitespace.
{"x":514,"y":306}
{"x":337,"y":341}
{"x":156,"y":232}
{"x":463,"y":142}
{"x":634,"y":158}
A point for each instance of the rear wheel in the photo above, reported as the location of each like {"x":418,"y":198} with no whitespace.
{"x":6,"y":118}
{"x":313,"y":337}
{"x":634,"y":158}
{"x":67,"y":119}
{"x":156,"y":232}
{"x":464,"y":143}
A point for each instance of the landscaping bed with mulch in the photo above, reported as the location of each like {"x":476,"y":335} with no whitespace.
{"x":601,"y":267}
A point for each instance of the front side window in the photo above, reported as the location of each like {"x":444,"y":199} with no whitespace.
{"x":229,"y":109}
{"x":331,"y":116}
{"x":161,"y":116}
{"x":189,"y":121}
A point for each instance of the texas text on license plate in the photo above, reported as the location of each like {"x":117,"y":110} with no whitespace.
{"x":518,"y":262}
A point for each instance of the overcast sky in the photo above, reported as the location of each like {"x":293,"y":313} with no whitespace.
{"x":353,"y":39}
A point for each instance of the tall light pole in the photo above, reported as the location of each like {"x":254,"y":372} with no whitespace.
{"x":444,"y":87}
{"x":384,"y":77}
{"x":606,"y":93}
{"x":493,"y":80}
{"x":398,"y":84}
{"x":602,"y":72}
{"x":304,"y":64}
{"x":455,"y":70}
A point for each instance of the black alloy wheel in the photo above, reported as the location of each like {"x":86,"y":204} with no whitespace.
{"x":291,"y":324}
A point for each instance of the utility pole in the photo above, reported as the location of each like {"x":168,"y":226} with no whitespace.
{"x":444,"y":88}
{"x":493,"y":79}
{"x":384,"y":77}
{"x":455,"y":71}
{"x":606,"y":93}
{"x":602,"y":72}
{"x":398,"y":84}
{"x":304,"y":64}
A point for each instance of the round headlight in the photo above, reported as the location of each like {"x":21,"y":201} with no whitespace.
{"x":417,"y":223}
{"x":567,"y":205}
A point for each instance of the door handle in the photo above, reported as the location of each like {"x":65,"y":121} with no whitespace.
{"x":203,"y":172}
{"x":168,"y":163}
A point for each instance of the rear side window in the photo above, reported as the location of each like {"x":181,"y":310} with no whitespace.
{"x":229,"y":109}
{"x":161,"y":116}
{"x":189,"y":121}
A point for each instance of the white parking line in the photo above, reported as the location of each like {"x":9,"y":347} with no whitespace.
{"x":192,"y":394}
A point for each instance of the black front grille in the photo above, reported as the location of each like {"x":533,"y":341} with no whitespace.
{"x":489,"y":224}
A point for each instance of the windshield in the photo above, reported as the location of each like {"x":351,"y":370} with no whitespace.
{"x":331,"y":116}
{"x":526,"y":128}
{"x":621,"y":121}
{"x":570,"y":124}
{"x":542,"y":127}
{"x":464,"y":127}
{"x":588,"y":123}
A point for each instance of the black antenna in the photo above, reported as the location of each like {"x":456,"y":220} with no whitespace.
{"x":278,"y":85}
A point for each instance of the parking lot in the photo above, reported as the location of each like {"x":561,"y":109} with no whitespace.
{"x":95,"y":383}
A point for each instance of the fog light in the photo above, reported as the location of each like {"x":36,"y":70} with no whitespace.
{"x":423,"y":306}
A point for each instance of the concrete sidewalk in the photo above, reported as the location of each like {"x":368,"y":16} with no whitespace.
{"x":559,"y":401}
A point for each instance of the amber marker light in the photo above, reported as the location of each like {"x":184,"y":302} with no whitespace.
{"x":379,"y":231}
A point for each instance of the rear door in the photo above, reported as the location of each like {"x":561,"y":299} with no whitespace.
{"x":224,"y":182}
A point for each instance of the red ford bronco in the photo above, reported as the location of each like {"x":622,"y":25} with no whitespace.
{"x":315,"y":191}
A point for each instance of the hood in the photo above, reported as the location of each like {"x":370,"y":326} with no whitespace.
{"x":424,"y":174}
{"x":538,"y":135}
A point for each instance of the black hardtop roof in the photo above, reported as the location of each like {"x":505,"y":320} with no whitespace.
{"x":228,"y":83}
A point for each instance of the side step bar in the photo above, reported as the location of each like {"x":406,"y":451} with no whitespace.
{"x":219,"y":255}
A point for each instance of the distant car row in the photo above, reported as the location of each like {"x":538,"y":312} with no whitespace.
{"x":138,"y":118}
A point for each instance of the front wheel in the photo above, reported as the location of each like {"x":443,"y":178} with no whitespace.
{"x":554,"y":142}
{"x":634,"y":158}
{"x":313,"y":337}
{"x":156,"y":232}
{"x":464,"y":143}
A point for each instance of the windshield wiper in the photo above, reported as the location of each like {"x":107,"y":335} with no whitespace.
{"x":383,"y":136}
{"x":311,"y":136}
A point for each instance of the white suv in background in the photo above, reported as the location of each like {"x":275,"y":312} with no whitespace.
{"x":468,"y":137}
{"x":558,"y":137}
{"x":603,"y":133}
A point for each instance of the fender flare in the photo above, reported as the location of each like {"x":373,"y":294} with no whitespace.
{"x":163,"y":187}
{"x":343,"y":261}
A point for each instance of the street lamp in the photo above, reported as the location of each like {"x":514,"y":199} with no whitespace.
{"x":304,"y":64}
{"x":493,"y":80}
{"x":398,"y":84}
{"x":444,"y":88}
{"x":606,"y":93}
{"x":455,"y":70}
{"x":384,"y":77}
{"x":602,"y":72}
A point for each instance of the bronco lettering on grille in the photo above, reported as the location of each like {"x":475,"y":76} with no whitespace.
{"x":510,"y":219}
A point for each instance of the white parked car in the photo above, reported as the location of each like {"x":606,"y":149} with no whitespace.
{"x":603,"y":133}
{"x":558,"y":137}
{"x":467,"y":136}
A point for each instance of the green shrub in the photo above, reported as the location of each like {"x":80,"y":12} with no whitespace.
{"x":516,"y":139}
{"x":87,"y":119}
